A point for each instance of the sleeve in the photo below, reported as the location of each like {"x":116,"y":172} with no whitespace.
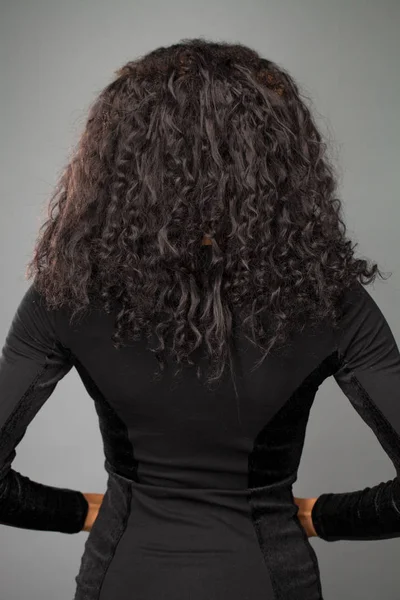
{"x":369,"y":375}
{"x":32,"y":361}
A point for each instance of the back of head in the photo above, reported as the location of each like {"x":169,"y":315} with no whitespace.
{"x":199,"y":139}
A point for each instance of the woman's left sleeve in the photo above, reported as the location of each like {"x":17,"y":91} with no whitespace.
{"x":32,"y":361}
{"x":369,"y":375}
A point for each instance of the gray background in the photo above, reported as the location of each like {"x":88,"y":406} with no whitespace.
{"x":55,"y":57}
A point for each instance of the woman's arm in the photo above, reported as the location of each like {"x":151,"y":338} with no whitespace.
{"x":369,"y":375}
{"x":32,"y":362}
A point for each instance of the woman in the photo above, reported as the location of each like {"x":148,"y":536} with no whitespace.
{"x":194,"y":269}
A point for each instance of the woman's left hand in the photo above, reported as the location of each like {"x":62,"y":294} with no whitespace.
{"x":94,"y":501}
{"x":304,"y":514}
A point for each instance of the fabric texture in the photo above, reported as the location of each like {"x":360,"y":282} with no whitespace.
{"x":369,"y":375}
{"x":31,"y":364}
{"x":199,"y":500}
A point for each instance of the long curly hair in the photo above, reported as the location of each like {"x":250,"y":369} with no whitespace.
{"x":199,"y":139}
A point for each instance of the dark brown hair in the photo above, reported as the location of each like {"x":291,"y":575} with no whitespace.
{"x":199,"y":138}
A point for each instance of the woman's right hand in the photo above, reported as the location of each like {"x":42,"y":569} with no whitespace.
{"x":94,"y":501}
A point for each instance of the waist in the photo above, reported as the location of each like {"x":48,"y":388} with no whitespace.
{"x":273,"y":499}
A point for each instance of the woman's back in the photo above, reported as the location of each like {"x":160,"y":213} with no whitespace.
{"x":199,"y":499}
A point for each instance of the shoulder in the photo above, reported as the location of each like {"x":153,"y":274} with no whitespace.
{"x":33,"y":326}
{"x":33,"y":305}
{"x":357,"y":304}
{"x":32,"y":298}
{"x":363,"y":331}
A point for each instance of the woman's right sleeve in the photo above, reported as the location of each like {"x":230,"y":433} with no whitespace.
{"x":369,"y":375}
{"x":32,"y":362}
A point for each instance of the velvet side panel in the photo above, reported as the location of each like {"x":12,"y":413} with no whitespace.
{"x":273,"y":466}
{"x":110,"y":524}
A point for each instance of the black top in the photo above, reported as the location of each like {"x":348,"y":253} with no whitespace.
{"x":199,"y":499}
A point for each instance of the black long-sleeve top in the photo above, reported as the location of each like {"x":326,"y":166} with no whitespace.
{"x":172,"y":440}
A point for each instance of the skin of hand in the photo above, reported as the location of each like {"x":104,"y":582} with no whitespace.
{"x":94,"y":501}
{"x":304,"y":514}
{"x":305,"y":506}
